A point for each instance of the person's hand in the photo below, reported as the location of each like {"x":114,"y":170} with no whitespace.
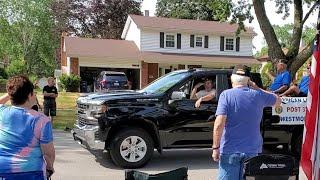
{"x":252,"y":85}
{"x":216,"y":155}
{"x":198,"y":85}
{"x":198,"y":103}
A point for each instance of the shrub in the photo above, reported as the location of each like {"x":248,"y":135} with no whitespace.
{"x":266,"y":81}
{"x":70,"y":83}
{"x":3,"y":83}
{"x":16,"y":67}
{"x":3,"y":74}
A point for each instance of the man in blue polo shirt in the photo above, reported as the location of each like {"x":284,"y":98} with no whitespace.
{"x":282,"y":81}
{"x":236,"y":134}
{"x":302,"y":89}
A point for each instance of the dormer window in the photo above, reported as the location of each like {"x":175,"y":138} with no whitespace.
{"x":199,"y":41}
{"x":170,"y":39}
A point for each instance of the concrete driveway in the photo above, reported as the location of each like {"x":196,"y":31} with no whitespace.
{"x":73,"y":162}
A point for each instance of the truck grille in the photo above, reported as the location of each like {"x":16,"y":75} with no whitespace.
{"x":82,"y":121}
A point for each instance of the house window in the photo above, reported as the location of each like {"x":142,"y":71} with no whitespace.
{"x":169,"y":40}
{"x":199,"y":41}
{"x":229,"y":44}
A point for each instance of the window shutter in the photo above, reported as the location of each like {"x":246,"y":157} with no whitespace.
{"x":161,"y":39}
{"x":206,"y":41}
{"x":178,"y":41}
{"x":238,"y":44}
{"x":191,"y":40}
{"x":221,"y":43}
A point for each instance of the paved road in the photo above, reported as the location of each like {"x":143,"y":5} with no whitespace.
{"x":73,"y":162}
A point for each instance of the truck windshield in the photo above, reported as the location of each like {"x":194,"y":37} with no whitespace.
{"x":164,"y":83}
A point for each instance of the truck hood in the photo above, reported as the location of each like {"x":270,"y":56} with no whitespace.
{"x":99,"y":98}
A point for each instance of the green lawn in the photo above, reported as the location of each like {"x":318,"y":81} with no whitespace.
{"x":64,"y":119}
{"x":66,"y":109}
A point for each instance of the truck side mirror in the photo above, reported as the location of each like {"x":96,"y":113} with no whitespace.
{"x":177,"y":95}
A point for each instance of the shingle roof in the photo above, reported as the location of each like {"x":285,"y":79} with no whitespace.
{"x":122,"y":50}
{"x":187,"y":25}
{"x":88,"y":47}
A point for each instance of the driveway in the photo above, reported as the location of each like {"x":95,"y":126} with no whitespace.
{"x":73,"y":162}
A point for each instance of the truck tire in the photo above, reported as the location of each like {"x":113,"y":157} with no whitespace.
{"x":131,"y":148}
{"x":296,"y":144}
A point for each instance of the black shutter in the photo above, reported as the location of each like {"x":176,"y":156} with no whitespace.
{"x":221,"y":43}
{"x":178,"y":41}
{"x":206,"y":41}
{"x":191,"y":40}
{"x":238,"y":44}
{"x":161,"y":39}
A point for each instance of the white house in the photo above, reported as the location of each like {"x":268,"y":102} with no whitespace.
{"x":153,"y":46}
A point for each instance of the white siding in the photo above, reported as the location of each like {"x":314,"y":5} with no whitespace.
{"x":149,"y":5}
{"x":150,"y":41}
{"x":133,"y":34}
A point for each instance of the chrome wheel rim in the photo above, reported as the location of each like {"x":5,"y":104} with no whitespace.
{"x":133,"y":149}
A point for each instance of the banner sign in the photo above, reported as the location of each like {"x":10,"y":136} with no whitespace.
{"x":292,"y":110}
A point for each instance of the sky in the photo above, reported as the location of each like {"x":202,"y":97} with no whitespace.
{"x":258,"y":41}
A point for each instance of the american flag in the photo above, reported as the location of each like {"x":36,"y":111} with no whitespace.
{"x":310,"y":156}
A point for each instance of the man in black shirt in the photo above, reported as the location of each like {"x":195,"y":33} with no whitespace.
{"x":50,"y":94}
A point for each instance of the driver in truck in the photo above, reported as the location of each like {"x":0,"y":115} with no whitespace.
{"x":203,"y":95}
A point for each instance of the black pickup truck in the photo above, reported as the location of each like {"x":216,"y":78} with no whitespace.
{"x":162,"y":116}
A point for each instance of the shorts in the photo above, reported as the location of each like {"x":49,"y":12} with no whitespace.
{"x":34,"y":175}
{"x":49,"y":107}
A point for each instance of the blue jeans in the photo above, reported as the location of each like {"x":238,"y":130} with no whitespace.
{"x":231,"y":165}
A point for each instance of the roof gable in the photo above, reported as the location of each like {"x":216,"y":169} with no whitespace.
{"x":186,"y":25}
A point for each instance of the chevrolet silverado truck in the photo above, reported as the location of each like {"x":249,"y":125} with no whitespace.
{"x":162,"y":116}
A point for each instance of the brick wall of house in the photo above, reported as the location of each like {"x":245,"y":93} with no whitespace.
{"x":153,"y":72}
{"x":149,"y":72}
{"x":74,"y":66}
{"x":63,"y":54}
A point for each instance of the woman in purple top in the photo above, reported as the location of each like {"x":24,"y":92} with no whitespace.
{"x":26,"y":142}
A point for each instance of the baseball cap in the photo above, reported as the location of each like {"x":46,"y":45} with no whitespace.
{"x":241,"y":70}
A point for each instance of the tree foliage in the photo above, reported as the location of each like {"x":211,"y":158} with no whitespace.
{"x":94,"y":18}
{"x":239,"y":11}
{"x":26,"y":35}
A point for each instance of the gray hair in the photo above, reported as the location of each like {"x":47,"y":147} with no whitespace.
{"x":239,"y":80}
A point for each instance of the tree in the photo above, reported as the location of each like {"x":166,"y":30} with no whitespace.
{"x":239,"y":11}
{"x":93,"y":18}
{"x":26,"y":36}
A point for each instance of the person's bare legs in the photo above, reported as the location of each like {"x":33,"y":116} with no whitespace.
{"x":292,"y":90}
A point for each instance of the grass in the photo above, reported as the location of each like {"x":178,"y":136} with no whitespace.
{"x":66,"y":109}
{"x":64,"y":119}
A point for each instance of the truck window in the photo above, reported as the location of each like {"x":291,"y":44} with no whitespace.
{"x":166,"y":82}
{"x":204,"y":86}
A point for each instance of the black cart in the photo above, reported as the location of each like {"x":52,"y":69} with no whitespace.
{"x":271,"y":167}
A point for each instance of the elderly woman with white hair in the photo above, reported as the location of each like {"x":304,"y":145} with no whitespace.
{"x":236,"y":134}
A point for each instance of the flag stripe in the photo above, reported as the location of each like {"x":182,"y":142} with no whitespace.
{"x":310,"y":153}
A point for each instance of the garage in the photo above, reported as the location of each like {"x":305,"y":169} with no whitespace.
{"x":89,"y":75}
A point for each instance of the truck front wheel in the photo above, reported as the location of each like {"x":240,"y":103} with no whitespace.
{"x":131,"y":148}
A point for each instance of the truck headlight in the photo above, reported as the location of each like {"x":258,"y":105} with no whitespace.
{"x":96,"y":107}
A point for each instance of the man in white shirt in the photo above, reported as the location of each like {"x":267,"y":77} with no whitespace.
{"x":203,"y":95}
